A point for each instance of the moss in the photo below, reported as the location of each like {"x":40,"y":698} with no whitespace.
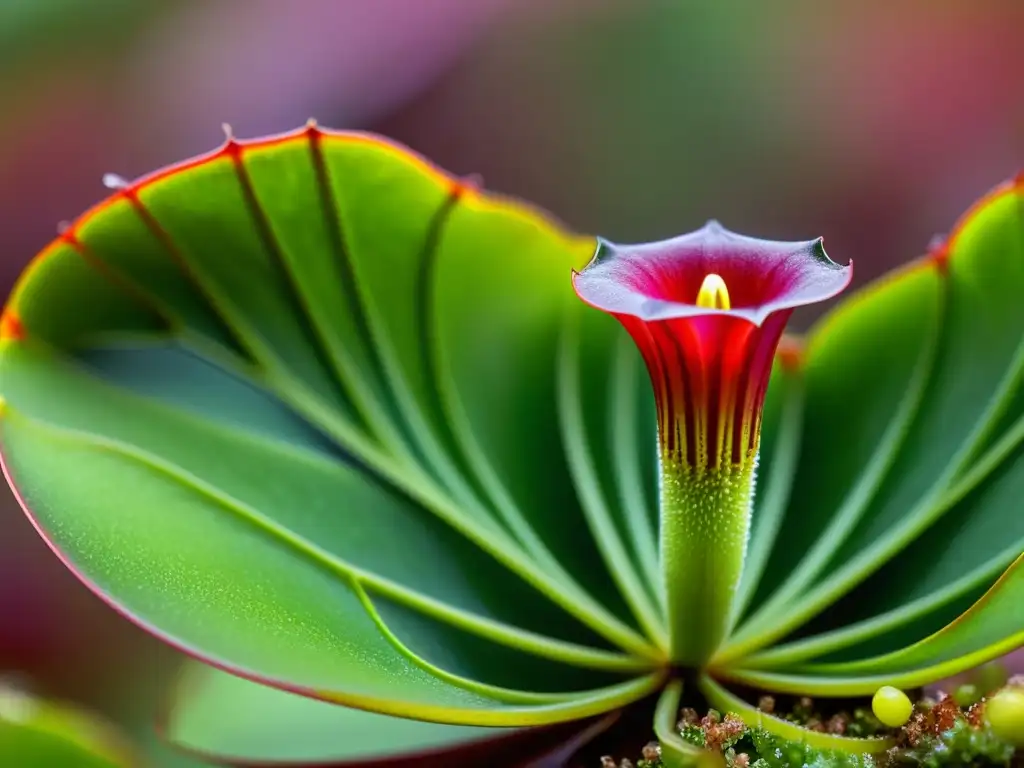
{"x":773,"y":752}
{"x":939,"y":734}
{"x":961,"y":745}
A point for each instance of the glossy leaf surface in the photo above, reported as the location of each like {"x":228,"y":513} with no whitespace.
{"x":937,"y":437}
{"x":267,"y":481}
{"x":992,"y":627}
{"x":230,"y":719}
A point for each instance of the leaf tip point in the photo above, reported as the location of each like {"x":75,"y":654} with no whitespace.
{"x":232,"y":147}
{"x":11,"y":327}
{"x":312,"y":131}
{"x":67,"y":233}
{"x":115,"y":182}
{"x":473,"y":181}
{"x":463,"y":187}
{"x":938,"y":253}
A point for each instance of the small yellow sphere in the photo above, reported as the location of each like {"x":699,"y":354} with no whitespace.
{"x":891,"y":706}
{"x":1005,"y":713}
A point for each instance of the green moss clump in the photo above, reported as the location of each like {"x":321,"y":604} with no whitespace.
{"x":940,"y":734}
{"x":962,"y":746}
{"x":773,"y":752}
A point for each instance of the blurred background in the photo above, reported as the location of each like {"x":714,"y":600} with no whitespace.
{"x":870,"y":122}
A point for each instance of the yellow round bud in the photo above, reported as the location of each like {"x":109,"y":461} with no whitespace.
{"x":891,"y":706}
{"x":1005,"y":713}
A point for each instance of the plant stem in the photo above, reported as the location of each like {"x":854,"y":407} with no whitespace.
{"x":705,"y":519}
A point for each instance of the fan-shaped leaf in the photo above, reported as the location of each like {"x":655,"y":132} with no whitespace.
{"x":520,"y":301}
{"x":240,"y":599}
{"x":781,"y":426}
{"x":937,"y":470}
{"x":953,"y":564}
{"x":990,"y":628}
{"x":854,"y":423}
{"x":291,"y":488}
{"x":267,"y":418}
{"x":587,"y":412}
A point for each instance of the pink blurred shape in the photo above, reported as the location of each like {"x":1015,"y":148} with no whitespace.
{"x":266,"y":66}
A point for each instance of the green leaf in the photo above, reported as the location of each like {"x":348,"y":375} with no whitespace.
{"x":587,"y":414}
{"x":213,"y":576}
{"x":781,"y":426}
{"x":991,"y":628}
{"x":524,"y":303}
{"x":287,"y":487}
{"x":853,"y":425}
{"x":276,"y":444}
{"x":952,"y":565}
{"x":903,"y":509}
{"x":675,"y":752}
{"x":634,"y":451}
{"x":225,"y":718}
{"x":39,"y":734}
{"x":726,"y":702}
{"x":994,"y":625}
{"x":967,"y":389}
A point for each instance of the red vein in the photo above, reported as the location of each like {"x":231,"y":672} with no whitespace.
{"x":119,"y":280}
{"x":311,"y":328}
{"x":335,"y":233}
{"x":177,"y":257}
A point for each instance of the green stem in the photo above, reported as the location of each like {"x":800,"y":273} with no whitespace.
{"x":705,"y":518}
